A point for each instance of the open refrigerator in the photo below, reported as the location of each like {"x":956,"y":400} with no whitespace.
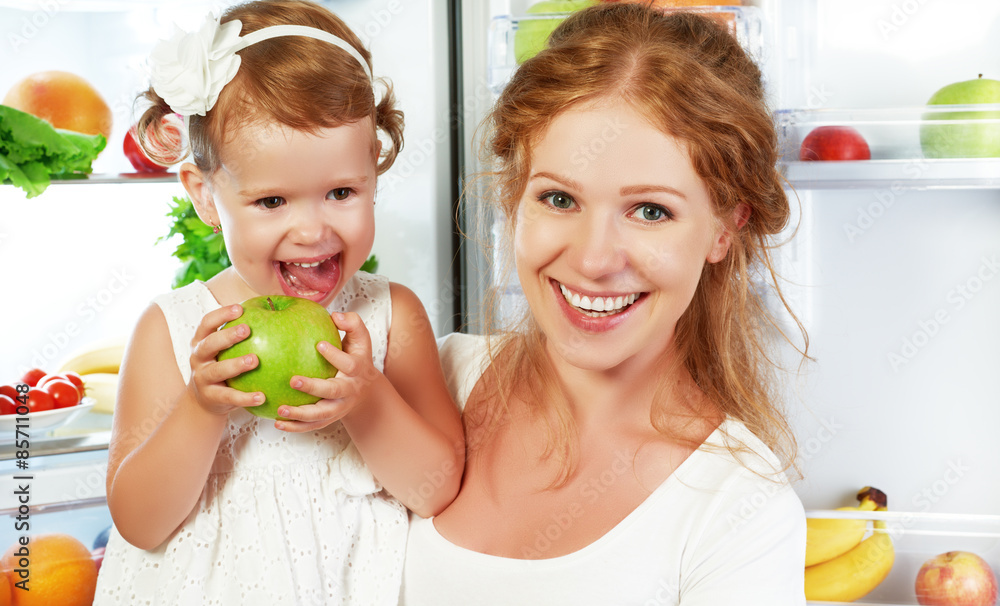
{"x":889,"y":262}
{"x":82,"y":260}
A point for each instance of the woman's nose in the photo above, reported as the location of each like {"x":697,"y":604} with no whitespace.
{"x":599,"y":248}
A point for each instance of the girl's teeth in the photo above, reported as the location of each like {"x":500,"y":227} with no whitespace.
{"x":598,"y":304}
{"x":306,"y":264}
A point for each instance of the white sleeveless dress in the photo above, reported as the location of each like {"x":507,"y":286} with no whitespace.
{"x":285,"y":518}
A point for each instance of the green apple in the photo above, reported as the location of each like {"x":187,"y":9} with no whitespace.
{"x":966,"y":139}
{"x":533,"y":33}
{"x":284,"y":332}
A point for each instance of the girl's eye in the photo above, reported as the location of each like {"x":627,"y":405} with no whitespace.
{"x":557,"y":200}
{"x":652,"y":213}
{"x":271,"y":202}
{"x":341,"y":193}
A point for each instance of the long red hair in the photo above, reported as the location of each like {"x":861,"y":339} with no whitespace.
{"x":690,"y":78}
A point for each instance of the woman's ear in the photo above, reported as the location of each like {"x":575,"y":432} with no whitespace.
{"x":199,"y":189}
{"x":741,"y":214}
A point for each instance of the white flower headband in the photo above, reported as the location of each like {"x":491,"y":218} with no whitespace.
{"x":190,"y":69}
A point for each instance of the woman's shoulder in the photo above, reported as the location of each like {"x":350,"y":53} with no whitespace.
{"x":733,"y":456}
{"x":464,"y":358}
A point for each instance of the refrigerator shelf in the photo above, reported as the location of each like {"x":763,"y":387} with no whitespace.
{"x":898,"y":174}
{"x":744,"y":22}
{"x":919,"y":536}
{"x":57,"y":445}
{"x":918,"y":135}
{"x":93,"y":178}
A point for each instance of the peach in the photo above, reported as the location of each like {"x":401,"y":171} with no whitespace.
{"x":63,"y":99}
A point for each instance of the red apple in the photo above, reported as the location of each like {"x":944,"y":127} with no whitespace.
{"x":98,"y":555}
{"x":166,"y":144}
{"x":834,"y":143}
{"x":956,"y":578}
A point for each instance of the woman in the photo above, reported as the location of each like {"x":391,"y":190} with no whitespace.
{"x":622,"y":442}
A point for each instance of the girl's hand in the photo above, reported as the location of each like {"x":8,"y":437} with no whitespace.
{"x":343,"y":393}
{"x":208,"y":376}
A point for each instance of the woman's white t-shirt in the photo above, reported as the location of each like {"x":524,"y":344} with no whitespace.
{"x":724,"y":529}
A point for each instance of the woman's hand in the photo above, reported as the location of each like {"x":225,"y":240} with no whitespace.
{"x":208,"y":376}
{"x":343,"y":393}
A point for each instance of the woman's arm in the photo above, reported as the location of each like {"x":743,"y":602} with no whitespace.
{"x":163,"y":441}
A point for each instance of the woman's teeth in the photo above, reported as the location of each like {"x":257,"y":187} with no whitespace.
{"x":597,"y":307}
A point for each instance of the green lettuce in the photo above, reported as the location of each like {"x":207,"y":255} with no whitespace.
{"x":32,"y":151}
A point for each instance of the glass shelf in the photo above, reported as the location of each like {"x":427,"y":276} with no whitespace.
{"x":167,"y":177}
{"x":914,"y":173}
{"x":917,"y":537}
{"x":64,"y":444}
{"x":744,"y":22}
{"x":898,"y":158}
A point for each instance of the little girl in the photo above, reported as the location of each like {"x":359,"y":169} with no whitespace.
{"x":212,"y":504}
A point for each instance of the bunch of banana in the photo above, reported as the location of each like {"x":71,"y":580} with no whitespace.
{"x":98,"y":367}
{"x":840,"y":566}
{"x":105,"y":359}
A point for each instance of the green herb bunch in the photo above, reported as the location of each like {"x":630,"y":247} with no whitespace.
{"x":201,"y":251}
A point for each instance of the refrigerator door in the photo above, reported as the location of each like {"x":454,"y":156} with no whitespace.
{"x":890,"y":263}
{"x":90,"y":253}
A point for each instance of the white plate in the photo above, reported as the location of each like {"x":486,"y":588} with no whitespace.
{"x":42,"y":422}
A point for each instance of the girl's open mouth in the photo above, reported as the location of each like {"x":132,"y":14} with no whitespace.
{"x":309,"y":278}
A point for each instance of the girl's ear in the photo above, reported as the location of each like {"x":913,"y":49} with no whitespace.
{"x":199,"y":189}
{"x":741,"y":214}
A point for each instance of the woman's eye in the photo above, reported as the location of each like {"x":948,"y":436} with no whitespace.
{"x":652,"y":213}
{"x":558,"y":200}
{"x":341,"y":193}
{"x":271,"y":202}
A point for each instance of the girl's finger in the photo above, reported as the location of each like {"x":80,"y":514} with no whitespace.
{"x":341,"y":360}
{"x":214,"y":319}
{"x":234,"y":397}
{"x":324,"y":389}
{"x":356,"y":338}
{"x":324,"y":412}
{"x":219,"y":372}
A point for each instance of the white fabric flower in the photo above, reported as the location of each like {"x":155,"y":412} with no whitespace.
{"x":190,"y":69}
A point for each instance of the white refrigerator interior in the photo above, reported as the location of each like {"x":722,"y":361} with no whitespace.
{"x":894,"y":269}
{"x":81,"y":261}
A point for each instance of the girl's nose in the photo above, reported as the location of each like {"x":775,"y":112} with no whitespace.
{"x":308,"y":224}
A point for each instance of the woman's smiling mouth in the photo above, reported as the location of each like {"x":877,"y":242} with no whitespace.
{"x":597,"y":306}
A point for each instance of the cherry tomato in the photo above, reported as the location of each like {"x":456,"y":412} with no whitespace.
{"x":39,"y":400}
{"x":50,"y":377}
{"x":64,"y":394}
{"x":7,"y":405}
{"x":75,"y":379}
{"x":33,"y":376}
{"x":69,"y":377}
{"x":10,"y":391}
